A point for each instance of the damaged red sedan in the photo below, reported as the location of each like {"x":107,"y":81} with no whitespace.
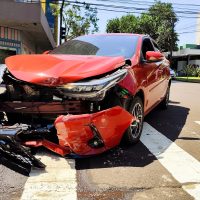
{"x":95,"y":89}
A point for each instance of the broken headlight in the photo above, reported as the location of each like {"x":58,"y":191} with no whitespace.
{"x":95,"y":88}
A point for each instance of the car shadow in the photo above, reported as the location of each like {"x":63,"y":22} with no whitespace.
{"x":174,"y":102}
{"x":169,"y":122}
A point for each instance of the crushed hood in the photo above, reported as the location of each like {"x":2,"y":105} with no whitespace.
{"x":52,"y":70}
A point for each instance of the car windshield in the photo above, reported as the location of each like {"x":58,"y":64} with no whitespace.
{"x":100,"y":45}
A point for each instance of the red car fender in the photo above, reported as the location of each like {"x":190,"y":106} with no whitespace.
{"x":129,"y":82}
{"x":74,"y":131}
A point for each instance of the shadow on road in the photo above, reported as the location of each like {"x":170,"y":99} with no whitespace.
{"x":174,"y":102}
{"x":188,"y":138}
{"x":169,"y":122}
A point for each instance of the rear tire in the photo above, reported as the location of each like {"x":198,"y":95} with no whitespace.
{"x":133,"y":133}
{"x":165,"y":102}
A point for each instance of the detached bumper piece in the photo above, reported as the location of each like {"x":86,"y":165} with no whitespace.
{"x":17,"y":157}
{"x":85,"y":134}
{"x":90,"y":134}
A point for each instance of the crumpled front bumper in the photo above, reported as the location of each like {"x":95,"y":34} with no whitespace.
{"x":93,"y":133}
{"x":88,"y":134}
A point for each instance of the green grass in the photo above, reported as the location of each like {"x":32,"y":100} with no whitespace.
{"x":189,"y":79}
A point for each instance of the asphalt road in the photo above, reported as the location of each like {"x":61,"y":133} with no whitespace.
{"x":137,"y":172}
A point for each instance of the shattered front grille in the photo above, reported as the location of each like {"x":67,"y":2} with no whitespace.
{"x":63,"y":107}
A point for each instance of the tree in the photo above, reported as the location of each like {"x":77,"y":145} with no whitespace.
{"x":162,"y":19}
{"x":128,"y":23}
{"x":158,"y":22}
{"x":125,"y":24}
{"x":78,"y":20}
{"x":113,"y":26}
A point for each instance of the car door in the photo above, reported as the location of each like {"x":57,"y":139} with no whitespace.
{"x":153,"y":75}
{"x":163,"y":73}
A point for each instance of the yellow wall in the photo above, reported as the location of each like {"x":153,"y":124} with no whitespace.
{"x":43,"y":2}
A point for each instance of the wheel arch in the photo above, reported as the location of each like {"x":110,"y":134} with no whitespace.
{"x":140,"y":93}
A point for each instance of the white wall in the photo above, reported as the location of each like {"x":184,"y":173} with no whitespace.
{"x":196,"y":62}
{"x":181,"y":64}
{"x":2,"y":68}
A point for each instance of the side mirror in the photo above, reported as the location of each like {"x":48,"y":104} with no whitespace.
{"x":128,"y":62}
{"x":154,"y":56}
{"x":46,"y":52}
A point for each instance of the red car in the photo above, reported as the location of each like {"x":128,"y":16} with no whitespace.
{"x":96,"y":88}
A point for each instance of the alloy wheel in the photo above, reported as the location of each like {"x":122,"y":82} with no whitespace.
{"x":136,"y":126}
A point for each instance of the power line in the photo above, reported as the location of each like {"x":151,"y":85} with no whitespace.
{"x":125,"y":7}
{"x":130,"y":2}
{"x":191,"y":26}
{"x":113,"y":8}
{"x":189,"y":32}
{"x":146,"y":3}
{"x":153,"y":2}
{"x":122,"y":7}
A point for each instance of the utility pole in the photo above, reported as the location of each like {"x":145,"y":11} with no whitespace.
{"x":171,"y":41}
{"x":61,"y":18}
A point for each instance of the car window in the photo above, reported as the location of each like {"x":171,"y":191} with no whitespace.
{"x":146,"y":46}
{"x":100,"y":45}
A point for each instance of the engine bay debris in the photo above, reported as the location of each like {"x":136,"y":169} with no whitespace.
{"x":16,"y":156}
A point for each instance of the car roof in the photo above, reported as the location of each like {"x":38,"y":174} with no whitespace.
{"x":115,"y":34}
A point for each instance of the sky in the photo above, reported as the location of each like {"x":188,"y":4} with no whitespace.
{"x":183,"y":25}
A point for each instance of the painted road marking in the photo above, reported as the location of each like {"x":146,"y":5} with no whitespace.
{"x":58,"y":181}
{"x":183,"y":167}
{"x":198,"y":122}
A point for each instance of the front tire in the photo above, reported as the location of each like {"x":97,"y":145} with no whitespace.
{"x":133,"y":133}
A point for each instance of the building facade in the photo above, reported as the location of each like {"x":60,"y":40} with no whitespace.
{"x":24,"y":28}
{"x":52,"y":20}
{"x":10,"y":42}
{"x":189,"y":54}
